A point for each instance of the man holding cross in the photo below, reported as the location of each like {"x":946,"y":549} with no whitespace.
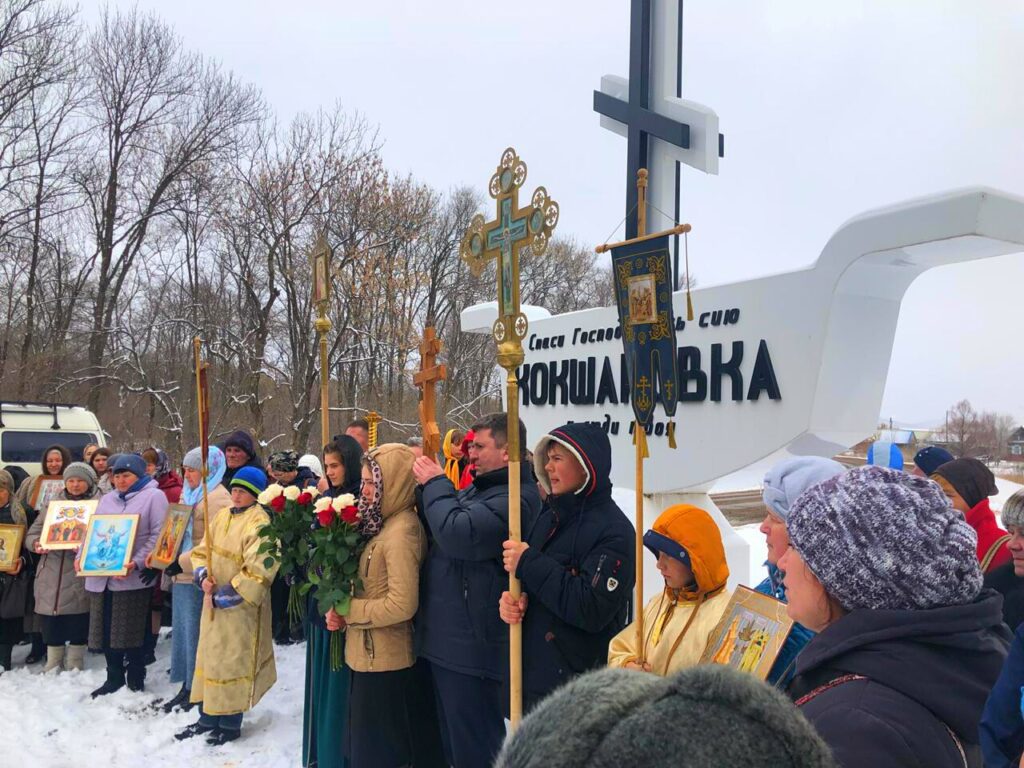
{"x":458,"y":627}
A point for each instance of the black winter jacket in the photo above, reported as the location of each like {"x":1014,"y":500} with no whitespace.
{"x":458,"y":626}
{"x":578,"y":571}
{"x":922,"y":675}
{"x":1011,"y":586}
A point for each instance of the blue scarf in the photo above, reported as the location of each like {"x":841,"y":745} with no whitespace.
{"x":137,"y":486}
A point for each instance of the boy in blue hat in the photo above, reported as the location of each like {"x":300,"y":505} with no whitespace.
{"x":230,"y":678}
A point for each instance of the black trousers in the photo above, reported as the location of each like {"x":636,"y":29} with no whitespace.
{"x":470,"y":710}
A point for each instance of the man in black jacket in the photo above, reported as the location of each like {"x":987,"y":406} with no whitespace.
{"x":576,"y":563}
{"x":458,"y":628}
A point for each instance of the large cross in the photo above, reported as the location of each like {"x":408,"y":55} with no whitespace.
{"x":503,"y":238}
{"x":648,"y":106}
{"x":428,"y":375}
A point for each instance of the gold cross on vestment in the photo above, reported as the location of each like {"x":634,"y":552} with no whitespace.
{"x":429,"y":374}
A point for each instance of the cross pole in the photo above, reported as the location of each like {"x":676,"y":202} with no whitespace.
{"x":429,"y":374}
{"x":372,"y":419}
{"x":321,"y":258}
{"x":501,"y":241}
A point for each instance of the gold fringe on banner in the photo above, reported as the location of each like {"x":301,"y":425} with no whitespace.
{"x":639,"y":433}
{"x":671,"y":434}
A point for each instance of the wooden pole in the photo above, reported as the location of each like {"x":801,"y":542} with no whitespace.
{"x":515,"y":533}
{"x":204,"y":473}
{"x":323,"y":325}
{"x":640,"y":438}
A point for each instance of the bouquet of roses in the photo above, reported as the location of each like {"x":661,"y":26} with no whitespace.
{"x":286,"y":537}
{"x":334,"y":561}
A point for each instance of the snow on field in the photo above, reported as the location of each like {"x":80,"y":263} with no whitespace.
{"x":49,"y":721}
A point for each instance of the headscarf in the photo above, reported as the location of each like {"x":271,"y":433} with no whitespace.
{"x":215,"y":466}
{"x":451,"y":464}
{"x":371,"y":519}
{"x":65,"y":457}
{"x":163,"y":463}
{"x":351,"y":460}
{"x":17,"y":511}
{"x":969,"y":478}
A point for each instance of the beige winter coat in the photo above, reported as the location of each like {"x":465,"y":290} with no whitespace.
{"x":58,"y":590}
{"x":217,"y":499}
{"x":379,"y":631}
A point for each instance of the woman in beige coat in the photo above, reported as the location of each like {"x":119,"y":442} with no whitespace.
{"x":62,"y":604}
{"x":378,"y":643}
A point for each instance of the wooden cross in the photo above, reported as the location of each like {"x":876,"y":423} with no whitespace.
{"x":429,"y":374}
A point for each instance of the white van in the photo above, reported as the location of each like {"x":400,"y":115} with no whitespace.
{"x":27,"y":429}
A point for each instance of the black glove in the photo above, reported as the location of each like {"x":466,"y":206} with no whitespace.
{"x":173,"y":569}
{"x":148,"y":575}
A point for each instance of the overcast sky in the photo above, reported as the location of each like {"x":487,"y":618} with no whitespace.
{"x":829,"y":109}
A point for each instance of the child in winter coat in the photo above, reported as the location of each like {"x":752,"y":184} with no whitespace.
{"x":235,"y":661}
{"x":678,"y":622}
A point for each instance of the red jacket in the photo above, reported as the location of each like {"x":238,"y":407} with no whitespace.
{"x":983,"y":520}
{"x":171,"y":485}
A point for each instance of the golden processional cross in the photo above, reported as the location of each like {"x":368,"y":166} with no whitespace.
{"x":429,"y":374}
{"x":501,"y":241}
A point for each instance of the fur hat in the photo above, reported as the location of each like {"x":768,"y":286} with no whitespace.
{"x":883,"y":539}
{"x":1013,"y":510}
{"x":710,"y":716}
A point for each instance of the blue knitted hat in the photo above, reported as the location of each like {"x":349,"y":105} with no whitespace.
{"x":130,"y":462}
{"x":251,"y":479}
{"x":883,"y":539}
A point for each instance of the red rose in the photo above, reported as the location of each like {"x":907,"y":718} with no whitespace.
{"x":325,"y":516}
{"x":304,"y":498}
{"x":350,"y":515}
{"x":277,"y":504}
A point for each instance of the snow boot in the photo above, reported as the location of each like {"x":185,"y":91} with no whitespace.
{"x":193,"y":730}
{"x":220,"y":737}
{"x":75,"y":658}
{"x":54,"y":658}
{"x":38,"y":652}
{"x":136,"y":676}
{"x":115,"y":682}
{"x":5,"y":657}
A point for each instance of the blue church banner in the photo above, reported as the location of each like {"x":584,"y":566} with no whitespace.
{"x":643,"y":292}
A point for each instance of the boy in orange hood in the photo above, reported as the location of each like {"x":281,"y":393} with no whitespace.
{"x":679,"y":621}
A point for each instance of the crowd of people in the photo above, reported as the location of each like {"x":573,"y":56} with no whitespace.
{"x":906,"y":592}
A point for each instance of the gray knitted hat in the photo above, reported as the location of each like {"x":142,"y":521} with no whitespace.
{"x":82,"y":471}
{"x":710,"y":716}
{"x":880,"y":538}
{"x":1013,"y":510}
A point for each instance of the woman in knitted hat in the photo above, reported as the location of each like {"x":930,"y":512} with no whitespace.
{"x":909,"y":644}
{"x":187,"y":598}
{"x":119,"y":605}
{"x":968,"y":483}
{"x":62,"y":603}
{"x":1008,"y":579}
{"x":235,"y":660}
{"x":678,"y":622}
{"x":783,"y":485}
{"x":1002,"y":726}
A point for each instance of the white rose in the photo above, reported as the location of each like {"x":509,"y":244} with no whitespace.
{"x":292,"y":492}
{"x":264,"y":498}
{"x":274,"y":490}
{"x":344,"y":501}
{"x":312,"y":491}
{"x":322,"y":504}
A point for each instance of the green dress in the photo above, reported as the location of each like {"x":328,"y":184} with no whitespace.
{"x":326,"y":702}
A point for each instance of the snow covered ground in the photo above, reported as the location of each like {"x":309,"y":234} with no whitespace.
{"x":49,"y":721}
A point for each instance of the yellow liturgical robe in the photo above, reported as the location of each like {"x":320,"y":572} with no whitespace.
{"x":670,"y":653}
{"x":235,"y":661}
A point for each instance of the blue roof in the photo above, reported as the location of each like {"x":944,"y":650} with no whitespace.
{"x":896,"y":436}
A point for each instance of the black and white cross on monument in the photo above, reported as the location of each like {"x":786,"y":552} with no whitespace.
{"x":649,"y":106}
